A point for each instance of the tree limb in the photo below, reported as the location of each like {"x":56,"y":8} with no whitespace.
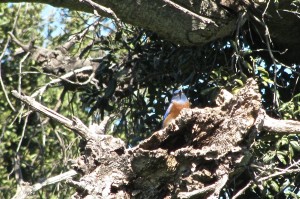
{"x":25,"y":189}
{"x":75,"y":124}
{"x":199,"y":22}
{"x":180,"y":22}
{"x":280,"y":126}
{"x":54,"y":61}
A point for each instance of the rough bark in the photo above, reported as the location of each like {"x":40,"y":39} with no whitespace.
{"x":194,"y":157}
{"x":191,"y":158}
{"x":200,"y":22}
{"x":188,"y":23}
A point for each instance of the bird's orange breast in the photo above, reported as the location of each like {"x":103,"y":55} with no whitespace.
{"x":174,"y":112}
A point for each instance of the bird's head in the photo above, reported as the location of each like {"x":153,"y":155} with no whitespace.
{"x":179,"y":97}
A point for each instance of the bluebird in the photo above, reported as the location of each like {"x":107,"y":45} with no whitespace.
{"x":178,"y":102}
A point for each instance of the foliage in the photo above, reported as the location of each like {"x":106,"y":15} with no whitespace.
{"x":44,"y":149}
{"x":136,"y":74}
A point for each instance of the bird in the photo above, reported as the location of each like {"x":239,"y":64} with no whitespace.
{"x":178,"y":102}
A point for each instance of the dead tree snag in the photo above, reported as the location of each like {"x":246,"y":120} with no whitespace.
{"x":194,"y":157}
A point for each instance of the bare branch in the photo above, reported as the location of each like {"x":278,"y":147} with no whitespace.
{"x":25,"y":47}
{"x":17,"y":169}
{"x":280,"y":126}
{"x":53,"y":180}
{"x":214,"y":188}
{"x":242,"y":191}
{"x":75,"y":124}
{"x":66,"y":77}
{"x":23,"y":132}
{"x":102,"y":9}
{"x":188,"y":12}
{"x":25,"y":189}
{"x":285,"y":171}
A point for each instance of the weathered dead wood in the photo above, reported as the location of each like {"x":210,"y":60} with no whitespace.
{"x":24,"y":189}
{"x":75,"y":124}
{"x":194,"y":157}
{"x":56,"y":61}
{"x":281,"y":126}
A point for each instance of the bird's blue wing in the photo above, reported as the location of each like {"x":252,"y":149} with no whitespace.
{"x":168,"y":111}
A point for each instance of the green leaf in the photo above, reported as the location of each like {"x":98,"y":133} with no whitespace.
{"x":283,"y":152}
{"x":240,"y":82}
{"x":298,"y":95}
{"x":235,"y":90}
{"x":291,"y":152}
{"x":265,"y":83}
{"x":263,"y":71}
{"x":248,"y":65}
{"x":267,"y":80}
{"x":285,"y":141}
{"x":281,"y":158}
{"x":274,"y":186}
{"x":268,"y":157}
{"x":295,"y":145}
{"x":278,"y":144}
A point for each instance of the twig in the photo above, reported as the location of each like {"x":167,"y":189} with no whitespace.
{"x":19,"y":90}
{"x":57,"y":105}
{"x":23,"y":132}
{"x":237,"y":47}
{"x":62,"y":145}
{"x":268,"y":41}
{"x":55,"y":179}
{"x":1,"y":81}
{"x":101,"y":8}
{"x":74,"y":38}
{"x":190,"y":13}
{"x":25,"y":189}
{"x":283,"y":172}
{"x":270,"y":50}
{"x":293,"y":12}
{"x":26,"y":48}
{"x":65,"y":78}
{"x":242,"y":191}
{"x":215,"y":188}
{"x":280,"y":173}
{"x":17,"y":169}
{"x":75,"y":124}
{"x":20,"y":71}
